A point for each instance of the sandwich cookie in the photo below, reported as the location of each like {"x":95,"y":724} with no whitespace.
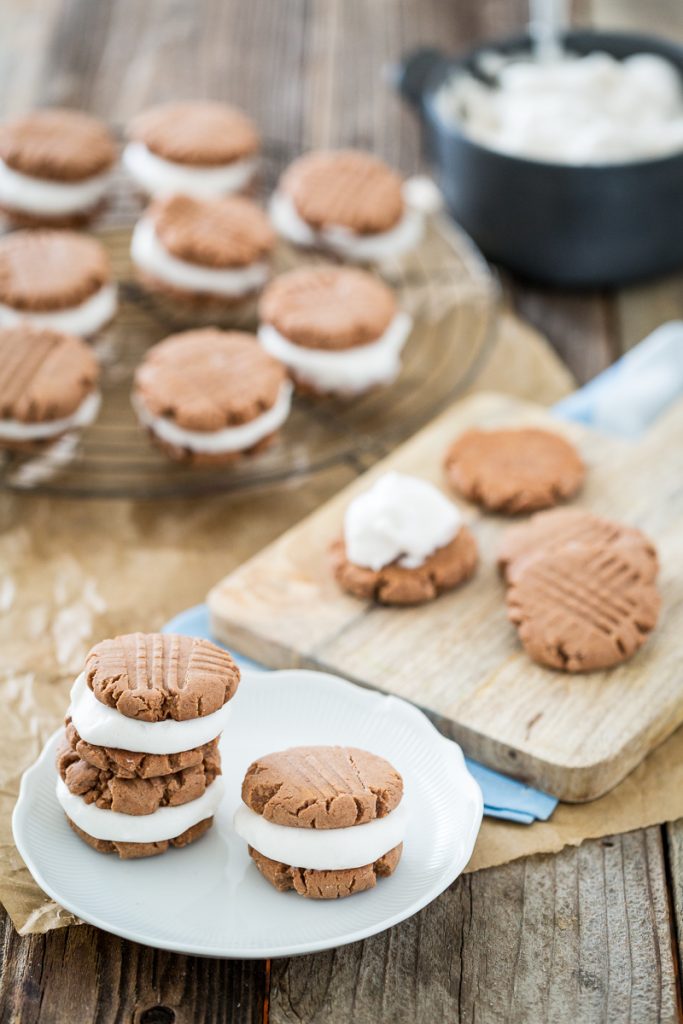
{"x":198,"y":148}
{"x":514,"y":470}
{"x":326,"y":822}
{"x":55,"y":279}
{"x":139,"y":767}
{"x":337,"y":330}
{"x":54,"y":167}
{"x":48,"y":386}
{"x":348,"y":202}
{"x":404,"y":543}
{"x":203,"y":255}
{"x":210,"y":396}
{"x":560,"y":527}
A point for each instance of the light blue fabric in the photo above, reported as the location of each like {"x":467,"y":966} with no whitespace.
{"x":623,"y":400}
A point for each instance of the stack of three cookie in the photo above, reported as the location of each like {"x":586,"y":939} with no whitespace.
{"x":139,"y":765}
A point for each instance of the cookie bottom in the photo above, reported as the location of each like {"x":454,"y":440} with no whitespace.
{"x":131,"y":851}
{"x":23,"y":219}
{"x":200,"y":308}
{"x":446,"y":569}
{"x":208,"y":459}
{"x":326,"y":885}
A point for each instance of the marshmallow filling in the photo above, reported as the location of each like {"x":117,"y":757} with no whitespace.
{"x":84,"y":415}
{"x":103,"y":726}
{"x":150,"y":256}
{"x":349,"y":371}
{"x":322,"y":849}
{"x":164,"y":823}
{"x":46,"y":198}
{"x":215,"y":442}
{"x":85,"y":319}
{"x":159,"y":177}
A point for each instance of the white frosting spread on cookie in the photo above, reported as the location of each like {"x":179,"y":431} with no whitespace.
{"x":103,"y":726}
{"x":164,"y":823}
{"x":405,"y":235}
{"x":159,"y":177}
{"x":216,"y":442}
{"x":83,"y":416}
{"x":85,"y":319}
{"x":571,"y":110}
{"x":44,"y":198}
{"x":400,"y":518}
{"x":347,"y":371}
{"x":322,"y":849}
{"x":149,"y":255}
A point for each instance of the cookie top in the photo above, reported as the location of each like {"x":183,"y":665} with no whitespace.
{"x":217,"y":233}
{"x":49,"y":270}
{"x":514,"y":470}
{"x":328,"y":307}
{"x":44,"y":375}
{"x":561,"y":526}
{"x":322,"y":787}
{"x":345,"y":188}
{"x":209,"y":379}
{"x":199,"y":132}
{"x":585,"y":606}
{"x":155,"y":676}
{"x":58,"y":145}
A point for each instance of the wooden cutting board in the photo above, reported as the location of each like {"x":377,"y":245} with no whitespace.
{"x":458,"y":657}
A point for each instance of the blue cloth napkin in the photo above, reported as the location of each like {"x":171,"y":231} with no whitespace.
{"x":623,"y":400}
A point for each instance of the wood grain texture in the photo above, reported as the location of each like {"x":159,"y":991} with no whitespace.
{"x":575,"y":736}
{"x":80,"y":974}
{"x":582,"y":936}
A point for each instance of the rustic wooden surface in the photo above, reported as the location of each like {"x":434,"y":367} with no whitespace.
{"x":589,"y":935}
{"x":282,"y":607}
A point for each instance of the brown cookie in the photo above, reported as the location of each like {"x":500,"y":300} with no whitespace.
{"x":326,"y":885}
{"x":561,"y":526}
{"x":446,"y":568}
{"x":344,"y":188}
{"x":220,"y":233}
{"x":155,"y":676}
{"x":200,"y":133}
{"x":58,"y":145}
{"x":205,"y":460}
{"x":44,"y":375}
{"x":125,"y":764}
{"x":322,"y":787}
{"x":208,"y":379}
{"x":49,"y":270}
{"x":328,"y":307}
{"x":131,"y":851}
{"x":135,"y":796}
{"x":585,"y":606}
{"x":514,"y":470}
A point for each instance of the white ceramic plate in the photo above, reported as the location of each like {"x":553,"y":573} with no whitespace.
{"x":209,"y":899}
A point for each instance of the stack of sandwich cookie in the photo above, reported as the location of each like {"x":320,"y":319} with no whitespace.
{"x":348,"y":202}
{"x":139,"y":765}
{"x":195,"y":148}
{"x":203,"y":255}
{"x":210,"y":396}
{"x":403,"y":543}
{"x":326,"y":822}
{"x":48,"y":386}
{"x":56,"y":279}
{"x":54,"y":167}
{"x":337,"y":330}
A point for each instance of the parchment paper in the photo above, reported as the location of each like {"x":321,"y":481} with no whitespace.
{"x":73,"y":571}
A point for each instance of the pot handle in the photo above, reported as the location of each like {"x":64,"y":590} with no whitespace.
{"x":411,"y":73}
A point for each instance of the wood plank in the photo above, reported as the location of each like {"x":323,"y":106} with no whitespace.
{"x":574,"y":736}
{"x":83,"y":974}
{"x":582,"y":936}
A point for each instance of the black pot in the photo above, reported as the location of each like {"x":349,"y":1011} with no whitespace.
{"x":565,"y":225}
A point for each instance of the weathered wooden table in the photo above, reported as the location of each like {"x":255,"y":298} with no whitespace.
{"x":589,"y":935}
